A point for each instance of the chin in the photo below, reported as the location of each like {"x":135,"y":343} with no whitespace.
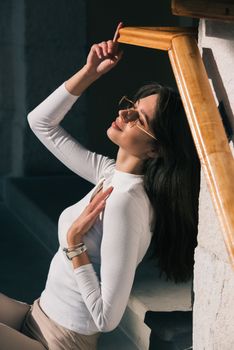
{"x":111,"y":136}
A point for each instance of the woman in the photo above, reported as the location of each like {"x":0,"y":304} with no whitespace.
{"x":151,"y":190}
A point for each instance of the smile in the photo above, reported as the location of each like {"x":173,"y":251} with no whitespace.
{"x":115,"y":126}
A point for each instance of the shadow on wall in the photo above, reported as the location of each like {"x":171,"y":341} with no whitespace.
{"x":220,"y":91}
{"x":220,"y":30}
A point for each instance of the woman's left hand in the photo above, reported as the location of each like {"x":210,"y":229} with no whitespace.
{"x":87,"y":218}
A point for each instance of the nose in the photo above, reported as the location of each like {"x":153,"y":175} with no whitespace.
{"x":122,"y":115}
{"x":123,"y":111}
{"x":120,"y":121}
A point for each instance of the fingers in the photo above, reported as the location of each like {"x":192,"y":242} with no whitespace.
{"x":109,"y":49}
{"x":115,"y":44}
{"x":91,"y":217}
{"x":110,"y":46}
{"x":106,"y":49}
{"x":115,"y":59}
{"x":98,"y":50}
{"x":105,"y":194}
{"x":120,"y":25}
{"x":99,"y":207}
{"x":87,"y":218}
{"x":98,"y":199}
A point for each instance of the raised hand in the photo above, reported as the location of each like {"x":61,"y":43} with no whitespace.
{"x":104,"y":56}
{"x":101,"y":58}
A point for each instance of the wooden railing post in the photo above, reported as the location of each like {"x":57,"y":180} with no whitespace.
{"x":202,"y":113}
{"x":207,"y":130}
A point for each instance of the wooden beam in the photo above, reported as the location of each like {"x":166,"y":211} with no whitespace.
{"x":153,"y":37}
{"x":214,"y":9}
{"x":207,"y":130}
{"x":202,"y":113}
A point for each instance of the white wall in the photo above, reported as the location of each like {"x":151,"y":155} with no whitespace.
{"x":213,"y":275}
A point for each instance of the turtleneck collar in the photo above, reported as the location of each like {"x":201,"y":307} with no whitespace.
{"x":122,"y":180}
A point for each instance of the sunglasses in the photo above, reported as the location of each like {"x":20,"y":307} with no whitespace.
{"x":132,"y":117}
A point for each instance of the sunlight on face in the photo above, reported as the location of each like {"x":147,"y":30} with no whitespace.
{"x":132,"y":139}
{"x":147,"y":106}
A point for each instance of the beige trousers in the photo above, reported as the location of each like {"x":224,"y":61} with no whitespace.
{"x":25,"y":327}
{"x":12,"y":315}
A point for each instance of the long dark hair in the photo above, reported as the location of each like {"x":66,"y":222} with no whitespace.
{"x":172,"y":183}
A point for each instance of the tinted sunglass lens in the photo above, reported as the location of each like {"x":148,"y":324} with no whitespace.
{"x":133,"y":116}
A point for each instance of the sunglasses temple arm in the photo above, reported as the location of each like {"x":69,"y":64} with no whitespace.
{"x":147,"y":132}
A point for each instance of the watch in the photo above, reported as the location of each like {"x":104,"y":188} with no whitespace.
{"x":74,"y":252}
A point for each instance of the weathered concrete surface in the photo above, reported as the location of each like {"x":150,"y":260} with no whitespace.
{"x":213,"y":283}
{"x":213,"y":275}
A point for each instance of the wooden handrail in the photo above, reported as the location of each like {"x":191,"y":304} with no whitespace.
{"x":153,"y":37}
{"x":214,"y":9}
{"x":202,"y":113}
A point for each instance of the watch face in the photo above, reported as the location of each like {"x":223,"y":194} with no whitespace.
{"x":67,"y":253}
{"x":70,"y":255}
{"x":75,"y":252}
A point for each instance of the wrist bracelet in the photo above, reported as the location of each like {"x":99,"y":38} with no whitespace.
{"x":75,"y":246}
{"x":75,"y":252}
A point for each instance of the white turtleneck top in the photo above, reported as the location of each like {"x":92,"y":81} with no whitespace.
{"x":92,"y":297}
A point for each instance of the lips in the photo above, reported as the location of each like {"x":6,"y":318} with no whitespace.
{"x":116,"y":125}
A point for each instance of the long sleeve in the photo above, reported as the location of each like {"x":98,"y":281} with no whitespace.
{"x":124,"y":243}
{"x":44,"y":121}
{"x":78,"y":299}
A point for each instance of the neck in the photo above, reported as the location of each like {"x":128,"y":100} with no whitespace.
{"x":128,"y":163}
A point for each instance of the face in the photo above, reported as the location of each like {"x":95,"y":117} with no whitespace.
{"x":132,"y":138}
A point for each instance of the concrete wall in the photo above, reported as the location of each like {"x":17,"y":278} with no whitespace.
{"x":213,"y":275}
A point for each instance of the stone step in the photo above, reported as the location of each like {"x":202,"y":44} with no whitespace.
{"x":135,"y":328}
{"x":155,"y":295}
{"x":170,"y":330}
